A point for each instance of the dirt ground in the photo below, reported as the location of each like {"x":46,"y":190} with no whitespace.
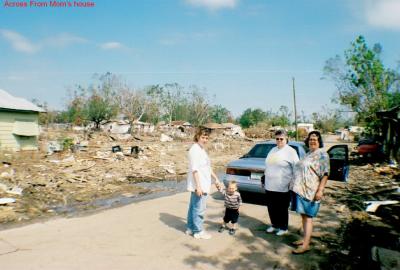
{"x":346,"y":236}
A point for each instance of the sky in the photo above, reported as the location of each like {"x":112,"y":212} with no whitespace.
{"x":243,"y":52}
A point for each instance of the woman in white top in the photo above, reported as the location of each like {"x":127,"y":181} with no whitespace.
{"x":199,"y":184}
{"x":279,"y":166}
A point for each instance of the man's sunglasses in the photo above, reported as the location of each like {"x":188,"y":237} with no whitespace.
{"x":279,"y":139}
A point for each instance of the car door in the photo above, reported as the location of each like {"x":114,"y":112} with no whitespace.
{"x":339,"y":162}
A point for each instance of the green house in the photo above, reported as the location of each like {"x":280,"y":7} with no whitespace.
{"x":19,"y":128}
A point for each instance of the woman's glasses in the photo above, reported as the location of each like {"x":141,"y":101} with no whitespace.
{"x":279,"y":139}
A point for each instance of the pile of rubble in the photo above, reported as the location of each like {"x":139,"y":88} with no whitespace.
{"x":96,"y":165}
{"x":369,"y":207}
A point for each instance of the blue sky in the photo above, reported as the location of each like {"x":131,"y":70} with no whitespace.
{"x":244,"y":52}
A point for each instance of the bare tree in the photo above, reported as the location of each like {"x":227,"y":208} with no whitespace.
{"x":132,"y":103}
{"x":200,"y":107}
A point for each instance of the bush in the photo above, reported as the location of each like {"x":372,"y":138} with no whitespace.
{"x":67,"y":143}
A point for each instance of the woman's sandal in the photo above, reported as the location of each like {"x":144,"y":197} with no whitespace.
{"x":298,"y":242}
{"x":300,"y":250}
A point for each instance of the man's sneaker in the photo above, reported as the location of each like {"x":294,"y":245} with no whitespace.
{"x":282,"y":232}
{"x":221,"y":229}
{"x":202,"y":235}
{"x":270,"y":229}
{"x":232,"y":231}
{"x":188,"y":232}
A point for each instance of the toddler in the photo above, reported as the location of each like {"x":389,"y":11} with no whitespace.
{"x":233,"y":200}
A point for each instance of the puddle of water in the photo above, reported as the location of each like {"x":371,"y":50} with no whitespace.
{"x":153,"y":190}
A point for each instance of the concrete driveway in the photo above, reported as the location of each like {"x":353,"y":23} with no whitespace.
{"x":150,"y":235}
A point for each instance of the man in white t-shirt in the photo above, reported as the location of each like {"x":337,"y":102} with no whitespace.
{"x":278,"y":175}
{"x":199,"y":184}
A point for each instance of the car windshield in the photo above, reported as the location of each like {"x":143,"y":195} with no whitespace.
{"x":262,"y":150}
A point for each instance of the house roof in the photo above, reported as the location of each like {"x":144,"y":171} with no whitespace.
{"x":213,"y":126}
{"x":8,"y":101}
{"x":228,"y":125}
{"x":137,"y":122}
{"x":393,"y":113}
{"x":180,"y":123}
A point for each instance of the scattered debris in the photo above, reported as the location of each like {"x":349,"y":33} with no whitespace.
{"x":89,"y":169}
{"x":53,"y":146}
{"x":372,"y":206}
{"x":7,"y":201}
{"x":165,"y":138}
{"x":116,"y":148}
{"x":7,"y":175}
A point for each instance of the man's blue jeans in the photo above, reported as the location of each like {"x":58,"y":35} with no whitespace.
{"x":197,"y":208}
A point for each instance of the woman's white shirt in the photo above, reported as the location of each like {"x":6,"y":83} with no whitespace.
{"x":279,"y":166}
{"x":200,"y":162}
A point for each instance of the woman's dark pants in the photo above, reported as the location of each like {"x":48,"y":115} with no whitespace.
{"x":278,"y":208}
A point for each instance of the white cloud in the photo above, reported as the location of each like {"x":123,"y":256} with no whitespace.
{"x":112,"y":45}
{"x":18,"y":41}
{"x":22,"y":44}
{"x":213,"y":4}
{"x":63,"y":40}
{"x":383,"y":13}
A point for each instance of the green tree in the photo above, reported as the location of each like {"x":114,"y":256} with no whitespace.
{"x":329,"y":120}
{"x":220,"y":114}
{"x":75,"y":113}
{"x":153,"y":113}
{"x":98,"y":109}
{"x":171,"y":96}
{"x":364,"y":85}
{"x":102,"y":104}
{"x":282,"y":117}
{"x":252,"y":117}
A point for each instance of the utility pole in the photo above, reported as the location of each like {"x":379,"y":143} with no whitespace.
{"x":295,"y":110}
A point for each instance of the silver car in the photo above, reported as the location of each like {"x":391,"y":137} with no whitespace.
{"x":248,"y":170}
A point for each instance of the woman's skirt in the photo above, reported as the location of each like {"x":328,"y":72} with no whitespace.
{"x":304,"y":206}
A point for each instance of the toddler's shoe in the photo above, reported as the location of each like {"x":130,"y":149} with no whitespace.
{"x":221,"y":229}
{"x":232,"y":231}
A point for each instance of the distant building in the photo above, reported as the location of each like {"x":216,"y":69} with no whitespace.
{"x":231,"y":129}
{"x":116,"y":126}
{"x":142,"y":127}
{"x":175,"y":126}
{"x":356,"y":129}
{"x":19,"y":127}
{"x":306,"y":126}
